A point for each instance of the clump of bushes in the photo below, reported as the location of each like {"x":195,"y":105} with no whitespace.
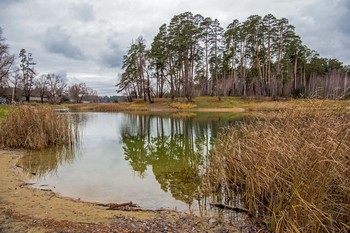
{"x":291,"y":170}
{"x":34,"y":128}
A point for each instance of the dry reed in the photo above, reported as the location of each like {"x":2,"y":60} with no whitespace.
{"x":34,"y":128}
{"x":292,"y":170}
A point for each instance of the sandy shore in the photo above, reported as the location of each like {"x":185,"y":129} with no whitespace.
{"x":25,"y":209}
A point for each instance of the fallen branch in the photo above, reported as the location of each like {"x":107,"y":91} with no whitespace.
{"x":46,"y":190}
{"x":25,"y":184}
{"x":116,"y":206}
{"x":238,"y":209}
{"x":224,"y":206}
{"x":46,"y":185}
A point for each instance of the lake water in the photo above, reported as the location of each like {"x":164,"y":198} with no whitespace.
{"x":153,"y":161}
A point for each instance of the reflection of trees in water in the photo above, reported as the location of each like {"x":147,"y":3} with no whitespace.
{"x":175,"y":148}
{"x":47,"y":160}
{"x":78,"y":121}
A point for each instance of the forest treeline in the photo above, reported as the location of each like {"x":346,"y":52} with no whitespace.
{"x":262,"y":56}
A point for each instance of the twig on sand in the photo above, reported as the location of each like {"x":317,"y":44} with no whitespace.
{"x":121,"y":206}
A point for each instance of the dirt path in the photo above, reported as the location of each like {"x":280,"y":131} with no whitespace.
{"x":24,"y":209}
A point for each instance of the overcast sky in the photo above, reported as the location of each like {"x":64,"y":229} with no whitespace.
{"x":85,"y":40}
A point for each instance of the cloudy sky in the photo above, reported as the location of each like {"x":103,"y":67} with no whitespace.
{"x":84,"y":40}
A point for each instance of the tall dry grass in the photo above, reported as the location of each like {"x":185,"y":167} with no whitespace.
{"x":34,"y":128}
{"x":291,"y":170}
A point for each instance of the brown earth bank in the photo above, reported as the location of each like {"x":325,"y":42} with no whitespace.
{"x":25,"y":209}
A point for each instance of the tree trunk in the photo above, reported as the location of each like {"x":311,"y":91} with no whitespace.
{"x":149,"y":89}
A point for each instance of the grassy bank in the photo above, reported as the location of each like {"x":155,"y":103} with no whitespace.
{"x":108,"y":107}
{"x":160,"y":104}
{"x":290,"y":169}
{"x":34,"y":128}
{"x":200,"y":103}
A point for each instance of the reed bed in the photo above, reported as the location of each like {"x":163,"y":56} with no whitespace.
{"x":34,"y":128}
{"x":291,"y":170}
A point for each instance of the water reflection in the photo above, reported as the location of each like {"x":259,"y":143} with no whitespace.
{"x":154,"y":161}
{"x":44,"y":162}
{"x":175,"y":149}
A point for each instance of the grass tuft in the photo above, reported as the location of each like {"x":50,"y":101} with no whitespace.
{"x":34,"y":128}
{"x":182,"y":106}
{"x":290,"y":169}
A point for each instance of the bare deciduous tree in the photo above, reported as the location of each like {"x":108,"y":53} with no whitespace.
{"x":6,"y":60}
{"x":41,"y":84}
{"x":79,"y":90}
{"x":56,"y":87}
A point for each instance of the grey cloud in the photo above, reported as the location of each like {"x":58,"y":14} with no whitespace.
{"x":112,"y":60}
{"x":344,"y":19}
{"x":7,"y":2}
{"x":112,"y":56}
{"x":84,"y":12}
{"x":104,"y":84}
{"x":324,"y":28}
{"x":103,"y":88}
{"x":63,"y":75}
{"x":73,"y":80}
{"x":58,"y":41}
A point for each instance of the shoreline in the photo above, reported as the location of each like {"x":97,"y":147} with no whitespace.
{"x":23,"y":208}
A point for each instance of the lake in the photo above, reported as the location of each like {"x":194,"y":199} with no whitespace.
{"x":153,"y":161}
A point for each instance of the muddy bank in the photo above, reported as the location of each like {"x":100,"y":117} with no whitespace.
{"x":24,"y":209}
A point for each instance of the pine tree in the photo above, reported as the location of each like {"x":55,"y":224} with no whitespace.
{"x":27,"y":66}
{"x":231,"y":46}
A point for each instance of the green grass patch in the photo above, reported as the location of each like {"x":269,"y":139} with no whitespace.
{"x":4,"y":109}
{"x":224,"y":102}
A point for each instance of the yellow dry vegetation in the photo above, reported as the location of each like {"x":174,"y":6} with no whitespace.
{"x":290,"y":168}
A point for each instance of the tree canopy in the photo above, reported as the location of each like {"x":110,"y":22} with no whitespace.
{"x":261,"y":56}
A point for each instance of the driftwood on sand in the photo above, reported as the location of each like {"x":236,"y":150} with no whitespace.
{"x":120,"y":206}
